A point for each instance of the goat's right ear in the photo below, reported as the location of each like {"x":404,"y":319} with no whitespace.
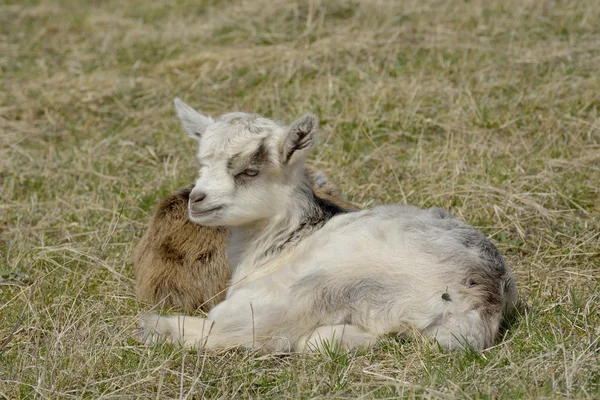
{"x":193,"y":122}
{"x":300,"y":139}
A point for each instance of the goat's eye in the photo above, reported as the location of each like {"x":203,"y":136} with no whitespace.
{"x":251,"y":172}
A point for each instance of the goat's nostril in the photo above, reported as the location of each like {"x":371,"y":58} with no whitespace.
{"x":197,"y":197}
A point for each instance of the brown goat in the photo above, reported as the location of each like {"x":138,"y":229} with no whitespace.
{"x":184,"y":265}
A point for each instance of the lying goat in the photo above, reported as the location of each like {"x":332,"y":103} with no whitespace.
{"x":181,"y":264}
{"x":304,"y":273}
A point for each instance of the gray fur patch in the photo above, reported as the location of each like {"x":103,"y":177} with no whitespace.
{"x":261,"y":156}
{"x":444,"y":229}
{"x":258,"y":160}
{"x":332,"y":295}
{"x":472,"y":239}
{"x":440,"y":213}
{"x":317,"y":213}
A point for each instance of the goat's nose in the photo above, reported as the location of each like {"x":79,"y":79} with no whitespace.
{"x":197,"y":197}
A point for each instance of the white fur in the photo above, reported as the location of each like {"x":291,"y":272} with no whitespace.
{"x":350,"y":279}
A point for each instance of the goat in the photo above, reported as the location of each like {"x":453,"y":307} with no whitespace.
{"x":180,"y":264}
{"x":305,"y":274}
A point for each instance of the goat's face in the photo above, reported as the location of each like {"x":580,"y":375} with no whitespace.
{"x":248,"y":165}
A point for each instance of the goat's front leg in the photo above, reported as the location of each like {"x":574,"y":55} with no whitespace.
{"x":188,"y":331}
{"x":236,"y":329}
{"x":234,"y":322}
{"x":346,"y":336}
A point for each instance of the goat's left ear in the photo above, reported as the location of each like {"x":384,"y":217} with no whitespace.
{"x":192,"y":121}
{"x":300,"y":139}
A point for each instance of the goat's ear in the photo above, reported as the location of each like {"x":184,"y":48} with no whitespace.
{"x":300,"y":139}
{"x":193,"y":122}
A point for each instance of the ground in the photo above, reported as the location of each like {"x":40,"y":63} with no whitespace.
{"x":487,"y":108}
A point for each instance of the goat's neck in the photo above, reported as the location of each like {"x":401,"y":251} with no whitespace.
{"x":252,"y":246}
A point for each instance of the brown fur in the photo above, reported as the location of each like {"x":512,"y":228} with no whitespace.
{"x":181,"y":264}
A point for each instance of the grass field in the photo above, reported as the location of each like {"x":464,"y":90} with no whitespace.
{"x":488,"y":108}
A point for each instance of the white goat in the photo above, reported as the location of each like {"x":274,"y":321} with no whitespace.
{"x":304,"y":272}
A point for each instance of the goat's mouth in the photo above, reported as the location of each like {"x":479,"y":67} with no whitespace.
{"x":204,"y":213}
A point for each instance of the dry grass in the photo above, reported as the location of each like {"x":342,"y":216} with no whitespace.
{"x":488,"y":108}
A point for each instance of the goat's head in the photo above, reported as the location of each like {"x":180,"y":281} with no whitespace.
{"x":249,"y":166}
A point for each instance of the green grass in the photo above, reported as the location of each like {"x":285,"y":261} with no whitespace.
{"x":488,"y":108}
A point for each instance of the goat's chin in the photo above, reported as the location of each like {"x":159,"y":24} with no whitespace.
{"x":205,"y":221}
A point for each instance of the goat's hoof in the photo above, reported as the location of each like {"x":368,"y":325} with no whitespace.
{"x":151,"y":330}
